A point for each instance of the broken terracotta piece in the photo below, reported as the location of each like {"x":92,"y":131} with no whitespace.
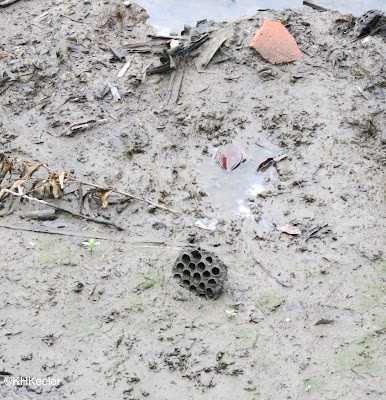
{"x":229,"y":156}
{"x":275,"y":43}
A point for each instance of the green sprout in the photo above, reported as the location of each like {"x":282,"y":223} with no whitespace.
{"x":231,"y":313}
{"x":90,"y":244}
{"x":357,"y":74}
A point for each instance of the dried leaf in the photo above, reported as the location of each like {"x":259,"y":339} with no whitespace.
{"x":5,"y":168}
{"x":229,"y":156}
{"x":55,"y":188}
{"x":42,"y":190}
{"x":265,"y":164}
{"x":324,"y":321}
{"x":291,"y":230}
{"x":33,"y":170}
{"x":105,"y":198}
{"x":46,"y":188}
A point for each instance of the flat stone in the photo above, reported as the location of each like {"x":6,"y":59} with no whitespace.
{"x":275,"y":43}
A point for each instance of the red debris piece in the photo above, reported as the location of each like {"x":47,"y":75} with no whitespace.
{"x":275,"y":43}
{"x":229,"y":156}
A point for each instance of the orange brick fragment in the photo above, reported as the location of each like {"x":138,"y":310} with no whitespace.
{"x":275,"y":43}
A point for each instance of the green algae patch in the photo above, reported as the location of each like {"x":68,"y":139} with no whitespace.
{"x":380,"y":320}
{"x":263,"y":363}
{"x":381,"y":265}
{"x":352,"y":360}
{"x":271,"y":302}
{"x":82,"y":327}
{"x":245,"y":338}
{"x":361,"y":356}
{"x":313,"y":384}
{"x":55,"y":254}
{"x":146,"y":281}
{"x":372,"y":293}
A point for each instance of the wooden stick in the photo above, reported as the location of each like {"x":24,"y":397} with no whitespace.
{"x":88,"y":235}
{"x":124,"y":69}
{"x":271,"y":276}
{"x":130,"y":195}
{"x":315,"y":6}
{"x":6,"y":3}
{"x":98,"y":221}
{"x":57,"y":232}
{"x":260,"y":307}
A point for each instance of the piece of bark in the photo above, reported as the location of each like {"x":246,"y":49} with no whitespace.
{"x":211,"y":48}
{"x":175,"y":84}
{"x":114,"y":91}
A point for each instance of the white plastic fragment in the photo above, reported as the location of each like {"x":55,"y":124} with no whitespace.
{"x":174,"y":43}
{"x":209,"y":224}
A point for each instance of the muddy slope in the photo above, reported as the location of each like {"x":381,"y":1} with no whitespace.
{"x":129,"y":331}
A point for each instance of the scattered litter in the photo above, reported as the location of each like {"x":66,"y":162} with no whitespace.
{"x":209,"y":224}
{"x":290,"y":229}
{"x":170,"y":58}
{"x":275,"y":43}
{"x":229,"y":156}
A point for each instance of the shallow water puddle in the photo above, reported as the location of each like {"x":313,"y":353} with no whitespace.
{"x":231,"y":193}
{"x":170,"y":15}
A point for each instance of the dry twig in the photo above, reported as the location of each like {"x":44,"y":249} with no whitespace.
{"x":98,"y":221}
{"x":273,"y":277}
